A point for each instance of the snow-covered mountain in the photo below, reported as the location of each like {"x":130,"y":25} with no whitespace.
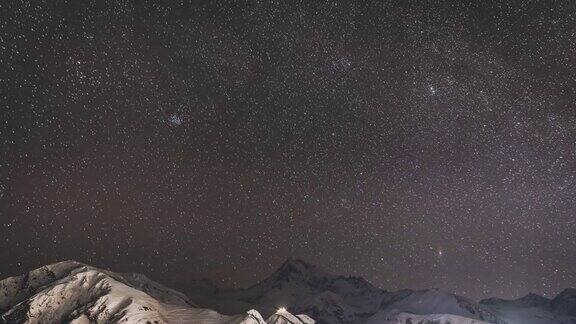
{"x":402,"y":318}
{"x":304,"y":288}
{"x":282,"y":316}
{"x":535,"y":309}
{"x":71,"y":292}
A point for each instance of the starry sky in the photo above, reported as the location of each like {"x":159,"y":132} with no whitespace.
{"x":417,"y":144}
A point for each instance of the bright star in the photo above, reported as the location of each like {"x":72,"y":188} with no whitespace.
{"x":175,"y":120}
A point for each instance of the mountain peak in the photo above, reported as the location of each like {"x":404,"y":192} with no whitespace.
{"x":296,"y":262}
{"x":73,"y":292}
{"x":294,"y":267}
{"x":533,"y":300}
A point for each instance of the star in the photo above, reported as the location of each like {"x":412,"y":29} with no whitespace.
{"x":175,"y":120}
{"x":186,"y":140}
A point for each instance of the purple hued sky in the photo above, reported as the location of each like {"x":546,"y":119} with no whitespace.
{"x":415,"y":144}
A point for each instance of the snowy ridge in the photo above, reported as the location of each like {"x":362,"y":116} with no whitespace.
{"x":535,"y":309}
{"x":282,"y":316}
{"x":401,"y":318}
{"x":327,"y":298}
{"x":304,"y":288}
{"x":71,"y":292}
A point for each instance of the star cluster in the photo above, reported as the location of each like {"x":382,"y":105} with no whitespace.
{"x":416,"y":144}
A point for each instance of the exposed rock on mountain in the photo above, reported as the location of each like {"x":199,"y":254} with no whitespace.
{"x":304,"y":288}
{"x":71,"y":292}
{"x":76,"y":293}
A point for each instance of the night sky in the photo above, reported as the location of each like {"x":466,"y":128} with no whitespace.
{"x":415,"y":144}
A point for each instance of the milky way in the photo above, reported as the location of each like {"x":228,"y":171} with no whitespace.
{"x":418,"y":145}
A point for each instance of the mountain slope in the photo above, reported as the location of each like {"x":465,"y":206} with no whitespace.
{"x":282,"y":316}
{"x":304,"y":288}
{"x":565,"y":302}
{"x":436,"y":301}
{"x":535,"y":309}
{"x":73,"y":292}
{"x":401,"y":318}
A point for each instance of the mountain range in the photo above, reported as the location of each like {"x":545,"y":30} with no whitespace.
{"x":71,"y":292}
{"x":305,"y":288}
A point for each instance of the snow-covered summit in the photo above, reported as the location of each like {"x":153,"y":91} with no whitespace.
{"x":282,"y":316}
{"x":301,"y":287}
{"x":535,"y":309}
{"x":328,"y":298}
{"x":76,"y":293}
{"x":72,"y":292}
{"x":405,"y":318}
{"x":297,"y":269}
